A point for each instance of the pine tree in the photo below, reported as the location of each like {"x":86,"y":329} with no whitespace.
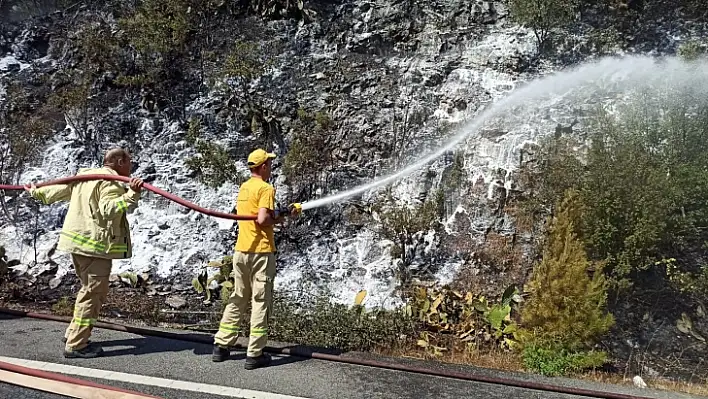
{"x":566,"y":306}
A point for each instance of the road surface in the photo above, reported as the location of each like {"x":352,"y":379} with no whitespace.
{"x":184,"y":370}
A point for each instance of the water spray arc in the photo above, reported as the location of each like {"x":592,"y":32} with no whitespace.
{"x":606,"y":78}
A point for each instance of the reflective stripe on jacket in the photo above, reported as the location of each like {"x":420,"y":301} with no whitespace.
{"x":96,"y":223}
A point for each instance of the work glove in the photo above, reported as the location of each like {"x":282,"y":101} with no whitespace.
{"x":292,"y":210}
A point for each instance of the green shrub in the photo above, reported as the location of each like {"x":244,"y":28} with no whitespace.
{"x":542,"y":16}
{"x":565,"y":305}
{"x":63,"y":307}
{"x":213,"y":165}
{"x":400,"y":222}
{"x":309,"y":157}
{"x":692,"y":50}
{"x":319,"y":322}
{"x":556,"y":361}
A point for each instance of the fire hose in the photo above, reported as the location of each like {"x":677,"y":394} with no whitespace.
{"x":478,"y":377}
{"x":39,"y":380}
{"x":181,"y":201}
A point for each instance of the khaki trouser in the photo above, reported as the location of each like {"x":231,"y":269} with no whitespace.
{"x":94,"y":274}
{"x":253,"y":282}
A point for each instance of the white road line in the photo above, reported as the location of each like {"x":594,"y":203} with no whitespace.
{"x":146,"y":380}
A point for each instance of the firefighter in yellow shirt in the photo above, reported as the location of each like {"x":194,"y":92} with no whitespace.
{"x":254,"y":265}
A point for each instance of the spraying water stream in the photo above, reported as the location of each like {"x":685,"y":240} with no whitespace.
{"x":605,"y":80}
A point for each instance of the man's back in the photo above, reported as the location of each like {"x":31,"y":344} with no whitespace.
{"x":254,"y":194}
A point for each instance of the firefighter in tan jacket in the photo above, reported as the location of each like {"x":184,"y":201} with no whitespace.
{"x":95,"y":232}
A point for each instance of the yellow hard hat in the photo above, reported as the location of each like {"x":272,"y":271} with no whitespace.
{"x":258,"y":156}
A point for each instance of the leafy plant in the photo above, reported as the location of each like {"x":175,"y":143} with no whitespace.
{"x":309,"y":158}
{"x":220,"y":281}
{"x":319,"y":322}
{"x":692,"y":50}
{"x":63,"y":307}
{"x":472,"y":320}
{"x":399,"y":223}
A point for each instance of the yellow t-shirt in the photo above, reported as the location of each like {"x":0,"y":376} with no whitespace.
{"x":254,"y":194}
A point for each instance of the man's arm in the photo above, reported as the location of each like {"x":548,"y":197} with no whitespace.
{"x":266,"y":207}
{"x":114,"y":202}
{"x":50,"y":194}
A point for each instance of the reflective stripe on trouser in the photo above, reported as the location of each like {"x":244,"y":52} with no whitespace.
{"x":253,"y":281}
{"x":93,"y":274}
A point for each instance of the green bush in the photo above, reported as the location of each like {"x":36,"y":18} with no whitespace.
{"x":319,"y":322}
{"x":542,"y":16}
{"x":552,"y":360}
{"x":309,"y":156}
{"x":565,"y":304}
{"x":400,"y":222}
{"x":213,"y":165}
{"x":692,"y":50}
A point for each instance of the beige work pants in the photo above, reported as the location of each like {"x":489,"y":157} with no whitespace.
{"x":94,"y":274}
{"x":253,"y":282}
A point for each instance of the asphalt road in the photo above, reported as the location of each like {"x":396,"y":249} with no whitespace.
{"x":190,"y":365}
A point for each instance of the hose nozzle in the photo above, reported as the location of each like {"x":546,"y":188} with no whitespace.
{"x":294,"y":209}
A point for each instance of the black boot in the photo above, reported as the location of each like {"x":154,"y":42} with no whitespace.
{"x":90,"y":351}
{"x":219,"y":354}
{"x":256,"y":362}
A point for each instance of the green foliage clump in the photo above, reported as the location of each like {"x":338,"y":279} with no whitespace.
{"x":310,"y":154}
{"x":158,"y":33}
{"x":542,"y":16}
{"x":553,"y":361}
{"x":319,"y":322}
{"x":565,"y":312}
{"x":692,"y":50}
{"x":566,"y":305}
{"x":246,"y":61}
{"x":25,"y":130}
{"x":694,"y":283}
{"x":213,"y":165}
{"x":63,"y":307}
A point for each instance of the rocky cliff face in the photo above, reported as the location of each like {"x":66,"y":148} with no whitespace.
{"x":396,"y":77}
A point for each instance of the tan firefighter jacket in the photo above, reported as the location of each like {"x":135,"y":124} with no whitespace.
{"x":96,"y":224}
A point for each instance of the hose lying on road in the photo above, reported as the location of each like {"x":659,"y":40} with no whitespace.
{"x":154,"y":189}
{"x":13,"y":368}
{"x":477,"y":377}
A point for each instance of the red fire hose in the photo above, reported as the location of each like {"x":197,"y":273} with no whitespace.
{"x":62,"y":378}
{"x":154,"y":189}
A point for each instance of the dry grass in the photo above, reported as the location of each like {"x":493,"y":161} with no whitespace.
{"x":654,"y":383}
{"x":510,"y":361}
{"x":497,"y":360}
